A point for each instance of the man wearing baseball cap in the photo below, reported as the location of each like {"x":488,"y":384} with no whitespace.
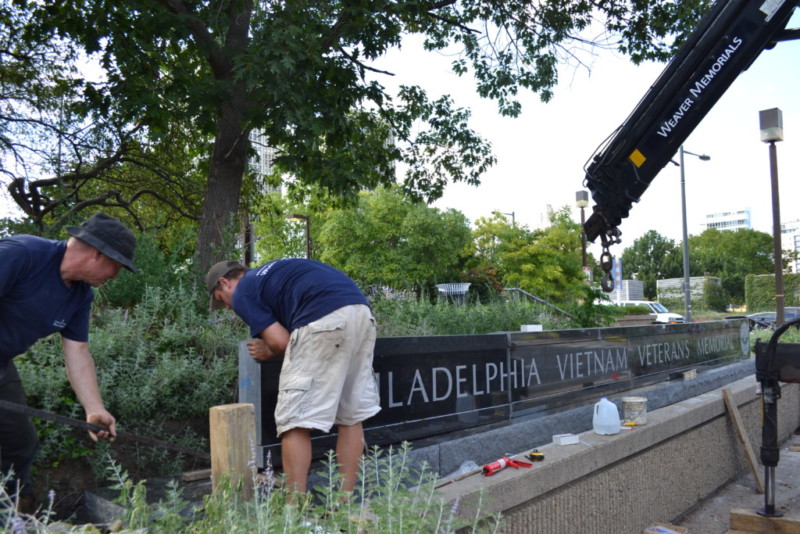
{"x":46,"y":287}
{"x":319,"y":321}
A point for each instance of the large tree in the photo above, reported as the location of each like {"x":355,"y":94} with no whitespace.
{"x":650,"y":258}
{"x":302,"y":71}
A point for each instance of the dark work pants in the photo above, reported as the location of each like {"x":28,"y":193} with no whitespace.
{"x":18,"y":439}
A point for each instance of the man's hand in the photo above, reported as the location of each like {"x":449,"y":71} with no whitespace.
{"x":105,"y":419}
{"x":258,"y":349}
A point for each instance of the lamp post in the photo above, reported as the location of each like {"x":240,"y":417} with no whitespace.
{"x":582,"y":200}
{"x":513,"y":222}
{"x":771,"y":123}
{"x":307,"y":219}
{"x":687,"y":286}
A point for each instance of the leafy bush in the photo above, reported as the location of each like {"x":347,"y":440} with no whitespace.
{"x":157,"y":267}
{"x":635,"y":310}
{"x":420,"y":317}
{"x":760,"y":291}
{"x":715,"y":297}
{"x":160,"y":367}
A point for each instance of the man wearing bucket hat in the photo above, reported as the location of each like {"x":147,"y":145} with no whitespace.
{"x":46,"y":287}
{"x":318,"y":319}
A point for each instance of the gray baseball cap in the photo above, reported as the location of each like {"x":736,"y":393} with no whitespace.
{"x":217,"y":271}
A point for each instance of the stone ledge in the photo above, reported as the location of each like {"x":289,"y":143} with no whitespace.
{"x":485,"y":446}
{"x":565,"y":464}
{"x":622,"y":483}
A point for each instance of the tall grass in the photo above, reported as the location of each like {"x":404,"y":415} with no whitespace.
{"x":393,"y":497}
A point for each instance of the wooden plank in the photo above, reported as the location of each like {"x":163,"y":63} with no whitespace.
{"x":233,"y":437}
{"x":193,"y":476}
{"x":750,"y":521}
{"x":733,"y":411}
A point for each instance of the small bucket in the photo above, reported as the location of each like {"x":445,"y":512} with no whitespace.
{"x":634,"y":410}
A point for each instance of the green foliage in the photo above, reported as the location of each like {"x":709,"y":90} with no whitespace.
{"x":391,"y":497}
{"x":408,"y":316}
{"x":652,"y":257}
{"x":585,"y":311}
{"x":158,"y":266}
{"x":635,"y":310}
{"x":546,"y":263}
{"x":161,"y":362}
{"x":715,"y":297}
{"x":731,"y":255}
{"x":792,"y":335}
{"x":760,"y":291}
{"x":387,"y":240}
{"x":277,"y":235}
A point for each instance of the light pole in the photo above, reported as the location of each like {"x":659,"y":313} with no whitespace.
{"x":687,"y":287}
{"x":771,"y":123}
{"x":513,"y":222}
{"x":582,"y":200}
{"x":307,"y":219}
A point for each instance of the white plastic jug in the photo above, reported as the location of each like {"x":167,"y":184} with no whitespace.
{"x":606,"y":417}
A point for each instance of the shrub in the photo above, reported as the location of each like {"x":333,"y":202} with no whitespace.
{"x":157,"y":268}
{"x":420,"y":317}
{"x":760,"y":291}
{"x":160,"y":367}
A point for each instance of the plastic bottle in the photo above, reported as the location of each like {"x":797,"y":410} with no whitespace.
{"x":606,"y":418}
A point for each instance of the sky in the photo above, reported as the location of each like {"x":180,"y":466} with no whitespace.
{"x":542,"y":153}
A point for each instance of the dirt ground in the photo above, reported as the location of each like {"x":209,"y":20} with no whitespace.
{"x":713,"y":515}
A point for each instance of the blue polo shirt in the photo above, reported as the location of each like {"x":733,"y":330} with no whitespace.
{"x":34,"y":300}
{"x":292,"y":292}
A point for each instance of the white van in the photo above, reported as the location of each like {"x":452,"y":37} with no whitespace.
{"x":661,"y":315}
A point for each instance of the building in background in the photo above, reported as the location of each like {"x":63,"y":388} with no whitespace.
{"x":260,"y":165}
{"x":627,"y":290}
{"x":728,"y":220}
{"x":790,"y":240}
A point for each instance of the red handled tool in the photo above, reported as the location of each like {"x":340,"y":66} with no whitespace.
{"x":494,"y":467}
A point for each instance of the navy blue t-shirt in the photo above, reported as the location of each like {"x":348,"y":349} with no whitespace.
{"x":34,"y":300}
{"x":292,"y":292}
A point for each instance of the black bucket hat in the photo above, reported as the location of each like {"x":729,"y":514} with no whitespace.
{"x":109,"y":236}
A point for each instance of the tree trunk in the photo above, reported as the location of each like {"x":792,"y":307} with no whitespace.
{"x":217,"y":237}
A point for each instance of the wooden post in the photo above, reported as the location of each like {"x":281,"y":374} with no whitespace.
{"x":233,"y":440}
{"x":741,"y":434}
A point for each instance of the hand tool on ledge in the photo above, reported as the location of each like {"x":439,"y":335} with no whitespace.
{"x":501,"y":463}
{"x":536,"y":456}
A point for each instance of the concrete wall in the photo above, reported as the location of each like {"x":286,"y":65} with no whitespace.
{"x":623,"y":483}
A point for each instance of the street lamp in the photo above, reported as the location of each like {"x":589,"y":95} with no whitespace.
{"x":307,"y":219}
{"x":582,"y":200}
{"x":513,"y":222}
{"x":687,"y":287}
{"x":771,"y":123}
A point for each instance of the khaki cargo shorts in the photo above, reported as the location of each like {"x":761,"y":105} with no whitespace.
{"x":327,"y":375}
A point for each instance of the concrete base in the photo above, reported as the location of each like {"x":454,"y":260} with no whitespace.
{"x":483,"y":446}
{"x":625,"y":482}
